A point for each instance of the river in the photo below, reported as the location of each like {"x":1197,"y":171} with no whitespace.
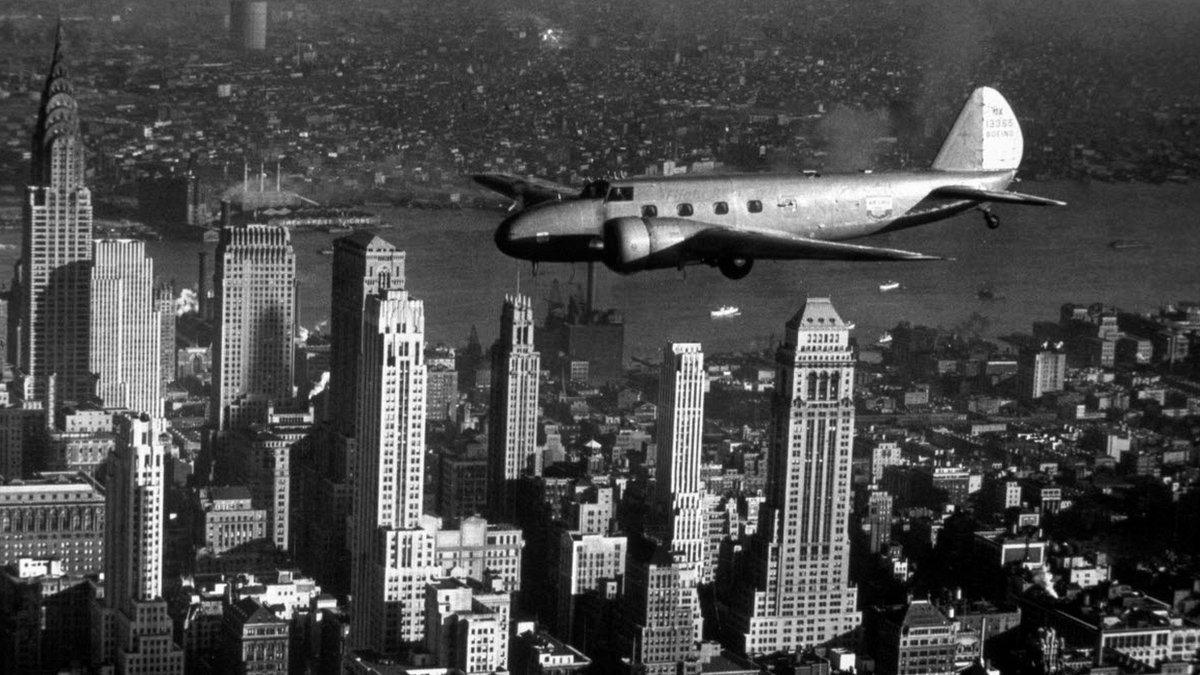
{"x":1037,"y":260}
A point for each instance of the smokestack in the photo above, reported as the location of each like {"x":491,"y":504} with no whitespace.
{"x":245,"y":176}
{"x":262,"y":177}
{"x":201,"y":285}
{"x":277,"y":176}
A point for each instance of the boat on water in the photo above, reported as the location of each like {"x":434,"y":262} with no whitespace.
{"x":1122,"y":244}
{"x":884,"y":340}
{"x":889,"y":286}
{"x":326,"y":251}
{"x":728,"y":311}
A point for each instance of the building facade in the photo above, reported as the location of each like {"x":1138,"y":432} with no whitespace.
{"x":662,"y":594}
{"x":363,"y":265}
{"x":512,"y":416}
{"x":482,"y":550}
{"x":126,"y":327}
{"x":256,"y":323}
{"x":1041,"y":372}
{"x":51,"y":284}
{"x":135,"y":632}
{"x":392,"y":557}
{"x":54,"y":515}
{"x":799,"y":564}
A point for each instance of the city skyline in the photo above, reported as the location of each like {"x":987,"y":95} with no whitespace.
{"x":201,"y":484}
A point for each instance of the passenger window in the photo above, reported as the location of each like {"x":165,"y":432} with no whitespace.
{"x":621,"y":194}
{"x":649,"y":210}
{"x":721,"y":208}
{"x":754,"y":206}
{"x":685,"y":210}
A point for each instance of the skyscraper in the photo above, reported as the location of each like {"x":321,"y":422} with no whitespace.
{"x":126,"y":330}
{"x":512,"y":417}
{"x":164,"y":302}
{"x":248,"y":24}
{"x":678,"y":515}
{"x":135,"y":631}
{"x":662,"y":587}
{"x":51,"y":284}
{"x":1041,"y":371}
{"x":363,"y":264}
{"x":256,"y":318}
{"x":392,"y":557}
{"x":796,"y":590}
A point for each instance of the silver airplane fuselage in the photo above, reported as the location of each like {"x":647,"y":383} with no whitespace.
{"x":829,"y":208}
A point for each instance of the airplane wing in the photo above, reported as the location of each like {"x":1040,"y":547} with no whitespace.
{"x":999,"y":196}
{"x":764,"y":245}
{"x":528,"y":190}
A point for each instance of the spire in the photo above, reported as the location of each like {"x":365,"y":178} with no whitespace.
{"x":58,"y":118}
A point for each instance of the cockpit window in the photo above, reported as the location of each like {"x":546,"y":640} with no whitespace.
{"x":620,"y":193}
{"x":595,"y":190}
{"x":684,"y":209}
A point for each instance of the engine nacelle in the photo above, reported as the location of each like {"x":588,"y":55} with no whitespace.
{"x":634,"y":244}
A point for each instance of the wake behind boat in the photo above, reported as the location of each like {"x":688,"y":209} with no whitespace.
{"x":889,"y":286}
{"x":726,"y":312}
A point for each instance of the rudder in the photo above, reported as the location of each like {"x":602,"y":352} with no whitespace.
{"x":985,"y":137}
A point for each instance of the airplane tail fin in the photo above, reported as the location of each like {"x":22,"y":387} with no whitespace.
{"x":985,"y":137}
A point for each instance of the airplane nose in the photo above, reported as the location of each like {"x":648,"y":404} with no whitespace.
{"x":504,"y":234}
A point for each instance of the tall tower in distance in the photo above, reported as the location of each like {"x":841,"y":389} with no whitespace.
{"x":126,"y":330}
{"x":256,"y":321}
{"x":135,"y":633}
{"x":51,"y":284}
{"x":248,"y":24}
{"x":164,"y":303}
{"x":392,"y":557}
{"x":363,"y":265}
{"x":512,"y":416}
{"x":797,"y":590}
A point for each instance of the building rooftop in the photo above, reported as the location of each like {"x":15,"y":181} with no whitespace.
{"x":817,"y":313}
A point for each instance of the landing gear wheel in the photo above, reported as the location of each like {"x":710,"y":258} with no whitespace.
{"x":992,"y":220}
{"x":735,"y":268}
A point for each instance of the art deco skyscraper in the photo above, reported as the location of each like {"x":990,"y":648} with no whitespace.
{"x":512,"y":417}
{"x":392,"y":558}
{"x":135,"y":631}
{"x":662,"y":595}
{"x":126,"y":330}
{"x":51,"y":284}
{"x":256,"y":321}
{"x":677,"y":513}
{"x":363,"y":264}
{"x":798,"y":590}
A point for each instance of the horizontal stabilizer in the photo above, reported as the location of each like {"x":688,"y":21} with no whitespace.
{"x":528,"y":190}
{"x":768,"y":245}
{"x":997,"y":196}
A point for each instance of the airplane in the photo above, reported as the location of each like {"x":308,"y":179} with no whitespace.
{"x":729,"y":221}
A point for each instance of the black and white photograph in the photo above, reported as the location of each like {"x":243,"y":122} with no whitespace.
{"x":590,"y":337}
